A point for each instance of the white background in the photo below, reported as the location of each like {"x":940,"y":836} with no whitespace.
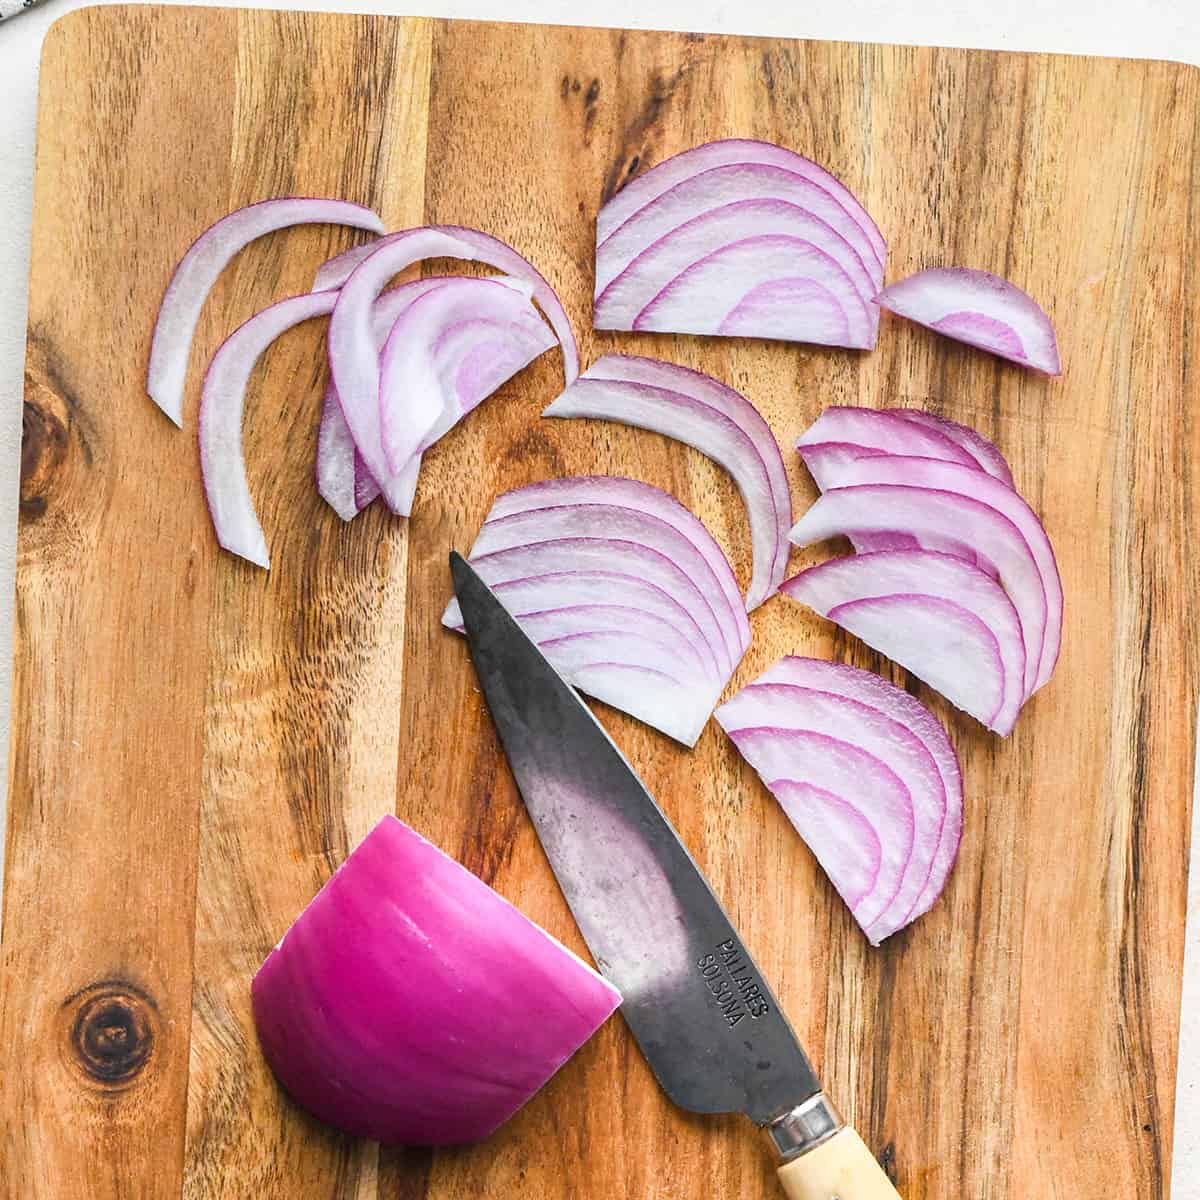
{"x":1131,"y":28}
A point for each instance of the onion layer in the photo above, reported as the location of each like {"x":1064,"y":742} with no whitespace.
{"x":719,"y":422}
{"x":980,"y":309}
{"x":197,"y":271}
{"x":411,"y":1004}
{"x":624,"y":591}
{"x":849,"y":763}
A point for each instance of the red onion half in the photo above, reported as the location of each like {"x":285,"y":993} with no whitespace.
{"x":739,"y":238}
{"x":197,"y":271}
{"x":865,"y":774}
{"x":980,"y":309}
{"x":623,"y":589}
{"x":719,"y":422}
{"x":410,"y":1003}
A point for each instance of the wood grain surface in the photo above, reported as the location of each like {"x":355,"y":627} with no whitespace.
{"x":197,"y":743}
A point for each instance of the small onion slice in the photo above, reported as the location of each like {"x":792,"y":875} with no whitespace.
{"x":716,"y":420}
{"x":222,"y":400}
{"x":930,"y":513}
{"x":983,"y":451}
{"x":980,"y":309}
{"x":624,"y":591}
{"x":867,"y":688}
{"x":411,"y":1004}
{"x":870,"y":431}
{"x":659,"y":179}
{"x":776,"y":700}
{"x":207,"y":257}
{"x":968,"y":482}
{"x":936,"y":615}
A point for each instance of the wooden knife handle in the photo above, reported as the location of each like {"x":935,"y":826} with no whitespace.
{"x":841,"y":1168}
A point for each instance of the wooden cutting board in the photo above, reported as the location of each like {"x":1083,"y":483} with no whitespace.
{"x":197,"y":743}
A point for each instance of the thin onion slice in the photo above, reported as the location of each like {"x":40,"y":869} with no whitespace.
{"x":871,"y":431}
{"x":411,"y":1004}
{"x":656,"y":263}
{"x":653,"y":183}
{"x":487,"y":328}
{"x":980,"y":309}
{"x":337,"y":461}
{"x":778,"y":700}
{"x":931,"y":513}
{"x":830,"y":787}
{"x":969,"y":482}
{"x":936,"y":615}
{"x":717,"y":421}
{"x":981,"y":449}
{"x":222,"y":401}
{"x":762,"y":286}
{"x":867,"y":688}
{"x":623,"y":589}
{"x":207,"y":257}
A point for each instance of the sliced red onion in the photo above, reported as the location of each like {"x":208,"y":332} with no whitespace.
{"x":447,"y":351}
{"x":629,"y":287}
{"x":623,"y":589}
{"x":867,"y":688}
{"x":937,"y":616}
{"x":337,"y":459}
{"x":221,"y":403}
{"x":411,"y":1004}
{"x":980,"y":309}
{"x":335,"y":271}
{"x":777,"y":701}
{"x":929,"y":513}
{"x":983,"y":451}
{"x":969,"y":482}
{"x":830,"y":788}
{"x":197,"y":271}
{"x":871,"y":431}
{"x":765,"y":286}
{"x":717,"y":421}
{"x":650,"y":185}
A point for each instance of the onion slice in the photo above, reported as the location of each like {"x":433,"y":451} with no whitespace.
{"x":206,"y":258}
{"x":981,"y":449}
{"x":936,"y":615}
{"x":980,"y":309}
{"x":623,"y":589}
{"x":653,"y":183}
{"x":338,"y":461}
{"x":968,"y":482}
{"x":792,"y":696}
{"x":411,"y":1004}
{"x":867,"y":431}
{"x":716,"y":420}
{"x":222,"y":401}
{"x":929,"y":513}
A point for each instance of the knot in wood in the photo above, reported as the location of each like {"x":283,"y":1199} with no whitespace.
{"x":114,"y":1031}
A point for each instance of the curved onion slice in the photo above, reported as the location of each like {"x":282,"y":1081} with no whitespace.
{"x":929,"y":513}
{"x":717,"y":421}
{"x":937,"y":616}
{"x":487,"y":328}
{"x":411,"y":1004}
{"x":197,"y":271}
{"x":983,"y":451}
{"x":870,"y":431}
{"x":867,"y":688}
{"x":647,"y":187}
{"x":980,"y":309}
{"x":969,"y":482}
{"x":672,"y":252}
{"x":764,"y":286}
{"x":623,"y":589}
{"x":776,"y":700}
{"x":221,"y":403}
{"x":830,"y":787}
{"x":337,"y":460}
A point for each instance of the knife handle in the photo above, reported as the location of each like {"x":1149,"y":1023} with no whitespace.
{"x":840,"y":1168}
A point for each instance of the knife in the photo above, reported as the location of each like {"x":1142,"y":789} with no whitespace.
{"x":709,"y":1026}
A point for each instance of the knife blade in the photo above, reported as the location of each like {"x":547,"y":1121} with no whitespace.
{"x":693,"y":998}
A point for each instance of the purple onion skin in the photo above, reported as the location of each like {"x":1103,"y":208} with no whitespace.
{"x":413,"y":1005}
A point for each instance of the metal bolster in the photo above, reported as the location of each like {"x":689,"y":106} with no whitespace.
{"x":804,"y":1127}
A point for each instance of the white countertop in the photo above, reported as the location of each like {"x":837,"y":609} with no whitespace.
{"x":1129,"y":28}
